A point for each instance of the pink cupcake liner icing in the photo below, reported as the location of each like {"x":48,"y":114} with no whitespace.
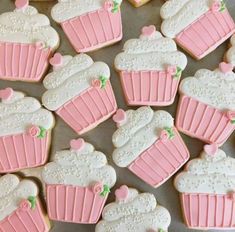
{"x":89,"y":109}
{"x":74,"y":204}
{"x":154,"y":88}
{"x":93,"y":30}
{"x":23,"y":62}
{"x":208,"y":211}
{"x":207,"y":33}
{"x":161,"y":160}
{"x":27,"y":220}
{"x":204,"y":122}
{"x":23,"y":151}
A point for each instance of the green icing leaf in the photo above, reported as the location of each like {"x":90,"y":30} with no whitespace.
{"x":32,"y":201}
{"x":223,"y":6}
{"x":233,"y":121}
{"x":42,"y":133}
{"x":161,"y":230}
{"x":170,"y":132}
{"x":115,"y":7}
{"x":105,"y":191}
{"x":178,"y":73}
{"x":103,"y":80}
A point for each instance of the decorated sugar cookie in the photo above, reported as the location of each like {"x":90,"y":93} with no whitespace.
{"x":207,"y":190}
{"x":134,"y":211}
{"x":27,"y":41}
{"x":20,"y":207}
{"x":207,"y":105}
{"x":79,"y":91}
{"x":148,"y":144}
{"x":89,"y":24}
{"x":25,"y":131}
{"x":78,"y":182}
{"x":230,"y":56}
{"x":197,"y":26}
{"x":150,"y":68}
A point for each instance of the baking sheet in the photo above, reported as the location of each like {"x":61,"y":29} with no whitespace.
{"x":133,"y":20}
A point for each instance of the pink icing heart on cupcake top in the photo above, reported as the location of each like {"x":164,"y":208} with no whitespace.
{"x":122,"y":193}
{"x":148,"y":30}
{"x":120,"y":116}
{"x":77,"y":144}
{"x":21,"y":4}
{"x":56,"y":60}
{"x":225,"y":67}
{"x":6,"y":94}
{"x":211,"y":149}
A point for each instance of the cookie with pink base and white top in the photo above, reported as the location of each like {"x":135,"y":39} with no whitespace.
{"x":207,"y":190}
{"x":134,"y":211}
{"x":78,"y":182}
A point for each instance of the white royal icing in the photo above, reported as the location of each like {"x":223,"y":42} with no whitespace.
{"x":27,"y":26}
{"x":20,"y":112}
{"x":213,"y":174}
{"x":72,"y":78}
{"x":139,"y":213}
{"x":79,"y":168}
{"x":231,"y":52}
{"x":179,"y":14}
{"x":12,"y":192}
{"x":214,"y":88}
{"x":68,"y":9}
{"x":150,"y":53}
{"x":139,"y":132}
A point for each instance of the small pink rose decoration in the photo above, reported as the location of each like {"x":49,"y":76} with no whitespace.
{"x":216,"y":5}
{"x":211,"y":149}
{"x":120,"y":116}
{"x":25,"y":205}
{"x":148,"y":30}
{"x":34,"y":131}
{"x":98,"y":188}
{"x":77,"y":144}
{"x":6,"y":94}
{"x":108,"y":5}
{"x":96,"y":83}
{"x":40,"y":44}
{"x":21,"y":4}
{"x":164,"y":135}
{"x":172,"y":70}
{"x":56,"y":60}
{"x":225,"y":67}
{"x":232,"y":196}
{"x":230,"y":115}
{"x":122,"y":193}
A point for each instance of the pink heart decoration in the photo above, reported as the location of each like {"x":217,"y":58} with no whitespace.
{"x":122,"y":193}
{"x":225,"y":67}
{"x":120,"y":116}
{"x":148,"y":30}
{"x":6,"y":94}
{"x":211,"y":149}
{"x":56,"y":60}
{"x":21,"y":4}
{"x":77,"y":144}
{"x":230,"y":115}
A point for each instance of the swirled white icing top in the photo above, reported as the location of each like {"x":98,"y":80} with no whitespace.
{"x":150,"y":53}
{"x":140,"y":212}
{"x":12,"y":192}
{"x":27,"y":26}
{"x":208,"y":174}
{"x":20,"y":112}
{"x":231,"y":52}
{"x":68,"y":9}
{"x":214,"y":88}
{"x":79,"y":168}
{"x":139,"y":132}
{"x":69,"y":80}
{"x":179,"y":14}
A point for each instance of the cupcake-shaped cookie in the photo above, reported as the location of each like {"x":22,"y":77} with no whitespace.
{"x":20,"y":207}
{"x":207,"y":190}
{"x":79,"y":91}
{"x":230,"y":56}
{"x":148,"y":144}
{"x":78,"y":182}
{"x":150,"y":68}
{"x":207,"y":105}
{"x":26,"y":42}
{"x":134,"y":211}
{"x":197,"y":26}
{"x":89,"y":24}
{"x":25,"y":131}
